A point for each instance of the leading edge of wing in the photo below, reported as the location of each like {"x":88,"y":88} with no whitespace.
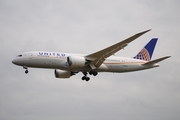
{"x":98,"y":58}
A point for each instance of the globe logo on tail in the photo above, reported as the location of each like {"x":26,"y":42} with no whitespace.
{"x":143,"y":55}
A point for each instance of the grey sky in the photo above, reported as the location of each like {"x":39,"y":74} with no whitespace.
{"x":85,"y":27}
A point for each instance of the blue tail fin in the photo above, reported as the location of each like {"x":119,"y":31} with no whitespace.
{"x":147,"y":52}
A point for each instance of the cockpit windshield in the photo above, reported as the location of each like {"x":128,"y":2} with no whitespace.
{"x":19,"y":56}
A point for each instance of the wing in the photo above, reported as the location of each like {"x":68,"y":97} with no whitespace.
{"x":97,"y":58}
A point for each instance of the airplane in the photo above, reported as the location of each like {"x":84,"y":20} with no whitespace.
{"x":68,"y":64}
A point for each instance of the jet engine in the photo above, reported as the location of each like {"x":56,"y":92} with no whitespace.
{"x":76,"y":61}
{"x":62,"y":73}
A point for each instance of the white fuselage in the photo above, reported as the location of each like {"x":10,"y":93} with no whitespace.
{"x":56,"y":60}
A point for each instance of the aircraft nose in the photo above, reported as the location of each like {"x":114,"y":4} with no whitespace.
{"x":14,"y":61}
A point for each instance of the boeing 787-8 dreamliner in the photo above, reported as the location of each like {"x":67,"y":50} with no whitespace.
{"x":68,"y":64}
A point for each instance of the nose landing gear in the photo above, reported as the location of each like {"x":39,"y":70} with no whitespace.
{"x":26,"y":71}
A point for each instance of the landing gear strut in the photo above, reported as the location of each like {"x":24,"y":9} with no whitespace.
{"x":26,"y":71}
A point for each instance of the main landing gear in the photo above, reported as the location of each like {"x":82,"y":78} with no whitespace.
{"x":85,"y":77}
{"x":26,"y":71}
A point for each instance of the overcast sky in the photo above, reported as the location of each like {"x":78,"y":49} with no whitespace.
{"x":86,"y":26}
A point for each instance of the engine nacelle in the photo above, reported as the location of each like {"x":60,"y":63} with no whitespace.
{"x":76,"y":61}
{"x":62,"y":73}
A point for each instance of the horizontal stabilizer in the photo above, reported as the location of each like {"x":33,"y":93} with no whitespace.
{"x":156,"y":61}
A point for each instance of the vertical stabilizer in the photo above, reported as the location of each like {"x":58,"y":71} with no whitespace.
{"x":147,"y":52}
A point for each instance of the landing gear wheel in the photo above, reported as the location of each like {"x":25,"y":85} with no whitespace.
{"x":26,"y":71}
{"x":91,"y":72}
{"x":95,"y":73}
{"x":87,"y":79}
{"x":83,"y":78}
